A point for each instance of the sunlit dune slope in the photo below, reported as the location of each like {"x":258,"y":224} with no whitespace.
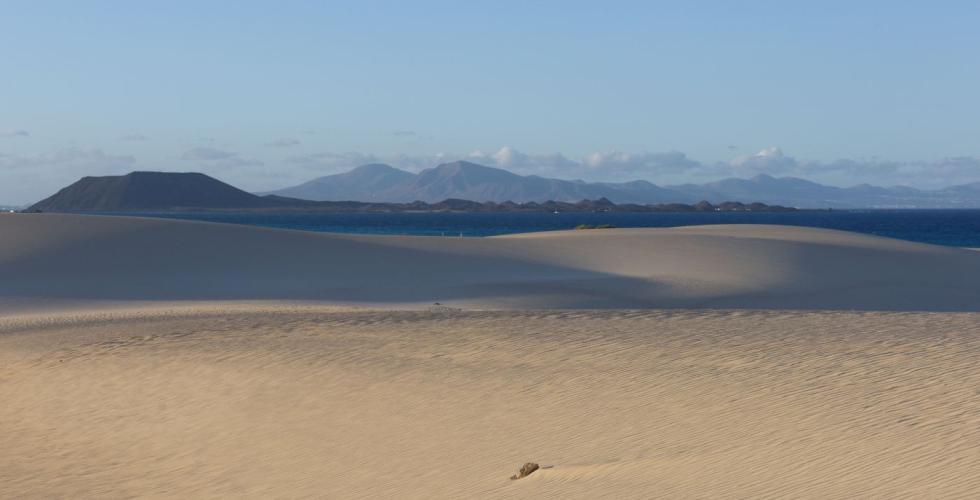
{"x":84,"y":257}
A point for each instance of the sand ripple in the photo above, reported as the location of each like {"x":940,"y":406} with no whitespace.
{"x":296,"y":401}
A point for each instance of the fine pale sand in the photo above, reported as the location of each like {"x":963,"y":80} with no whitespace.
{"x":304,"y":402}
{"x":60,"y":259}
{"x":154,"y":358}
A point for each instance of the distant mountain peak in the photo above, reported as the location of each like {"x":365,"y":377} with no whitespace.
{"x":467,"y":180}
{"x":375,"y":167}
{"x":362,"y":183}
{"x":147,"y":190}
{"x":466,"y":166}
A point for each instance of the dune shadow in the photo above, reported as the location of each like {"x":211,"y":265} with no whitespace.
{"x":81,"y":258}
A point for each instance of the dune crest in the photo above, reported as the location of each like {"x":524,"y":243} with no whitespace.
{"x":174,"y":359}
{"x":100,"y":258}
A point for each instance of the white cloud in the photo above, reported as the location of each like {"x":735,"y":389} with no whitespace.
{"x":619,"y":164}
{"x":29,"y":178}
{"x":333,"y":161}
{"x":90,"y":159}
{"x":217,"y":158}
{"x":14,"y":133}
{"x":134,"y":138}
{"x":282,"y":143}
{"x":512,"y":159}
{"x":769,"y":160}
{"x":25,"y":178}
{"x":207,"y":154}
{"x":600,"y":166}
{"x":846,"y":172}
{"x":328,"y":163}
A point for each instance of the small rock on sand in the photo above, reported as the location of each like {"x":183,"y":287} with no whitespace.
{"x":525,"y":471}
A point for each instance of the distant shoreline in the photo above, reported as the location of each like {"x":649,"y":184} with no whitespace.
{"x":947,"y":227}
{"x":307,"y":210}
{"x":457,"y":206}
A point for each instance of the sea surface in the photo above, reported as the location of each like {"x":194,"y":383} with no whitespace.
{"x":941,"y":227}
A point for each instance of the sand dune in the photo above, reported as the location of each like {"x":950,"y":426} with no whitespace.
{"x":95,"y":258}
{"x":160,"y":358}
{"x":306,"y":402}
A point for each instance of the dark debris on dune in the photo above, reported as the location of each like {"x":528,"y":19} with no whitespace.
{"x":525,"y":471}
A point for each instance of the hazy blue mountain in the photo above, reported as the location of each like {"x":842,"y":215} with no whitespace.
{"x":968,"y":189}
{"x":469,"y":181}
{"x":171,"y":191}
{"x":792,"y":191}
{"x":364,"y":183}
{"x":477,"y":183}
{"x":465,"y":180}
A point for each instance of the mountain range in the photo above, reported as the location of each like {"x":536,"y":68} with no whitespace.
{"x":468,"y":186}
{"x":470,"y":181}
{"x":191,"y":191}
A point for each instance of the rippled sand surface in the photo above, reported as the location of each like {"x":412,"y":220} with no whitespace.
{"x":280,"y":400}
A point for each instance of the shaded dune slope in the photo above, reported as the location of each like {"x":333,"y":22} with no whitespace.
{"x":85,"y":257}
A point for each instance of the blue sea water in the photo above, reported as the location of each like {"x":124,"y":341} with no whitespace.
{"x":942,"y":227}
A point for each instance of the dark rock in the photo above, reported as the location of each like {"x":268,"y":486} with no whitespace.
{"x":525,"y":471}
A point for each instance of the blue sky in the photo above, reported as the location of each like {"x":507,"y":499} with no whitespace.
{"x":265,"y":94}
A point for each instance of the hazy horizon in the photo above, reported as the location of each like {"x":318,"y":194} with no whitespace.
{"x":264,"y":97}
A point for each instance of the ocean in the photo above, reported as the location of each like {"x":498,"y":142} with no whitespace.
{"x":942,"y":227}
